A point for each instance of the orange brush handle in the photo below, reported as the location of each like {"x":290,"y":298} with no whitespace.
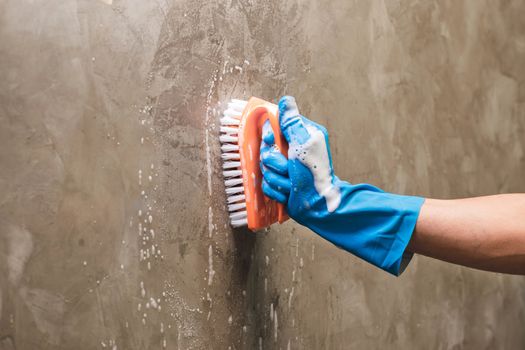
{"x":261,"y":210}
{"x":280,"y":141}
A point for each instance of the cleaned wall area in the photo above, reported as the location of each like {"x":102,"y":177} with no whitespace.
{"x":113,"y":228}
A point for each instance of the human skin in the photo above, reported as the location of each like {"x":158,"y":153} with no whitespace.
{"x":486,"y":233}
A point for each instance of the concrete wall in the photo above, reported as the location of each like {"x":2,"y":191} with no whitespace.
{"x":113,"y":230}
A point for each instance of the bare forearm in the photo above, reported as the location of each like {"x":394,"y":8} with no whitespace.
{"x":486,"y":233}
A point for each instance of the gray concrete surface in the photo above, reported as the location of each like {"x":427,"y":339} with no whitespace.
{"x":113,"y":229}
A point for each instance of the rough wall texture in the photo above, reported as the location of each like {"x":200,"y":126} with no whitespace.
{"x":113,"y":230}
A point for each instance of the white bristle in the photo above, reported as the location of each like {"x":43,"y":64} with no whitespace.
{"x":236,"y":198}
{"x":229,"y":147}
{"x":236,"y":107}
{"x":232,"y":173}
{"x":230,"y":165}
{"x":228,"y":120}
{"x":230,"y":156}
{"x":243,"y":103}
{"x":233,"y":182}
{"x":236,"y":206}
{"x":238,"y":215}
{"x":232,"y":107}
{"x":239,"y":223}
{"x":232,"y":113}
{"x":228,"y":138}
{"x":229,"y":130}
{"x":234,"y":190}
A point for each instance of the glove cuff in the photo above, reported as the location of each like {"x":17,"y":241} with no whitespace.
{"x":372,"y":224}
{"x":397,"y":258}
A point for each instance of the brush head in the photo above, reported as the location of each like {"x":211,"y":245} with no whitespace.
{"x":232,"y":172}
{"x":240,"y":137}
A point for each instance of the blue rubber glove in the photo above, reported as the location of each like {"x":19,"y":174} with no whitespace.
{"x":361,"y":219}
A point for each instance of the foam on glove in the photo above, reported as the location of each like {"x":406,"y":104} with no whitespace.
{"x":314,"y":155}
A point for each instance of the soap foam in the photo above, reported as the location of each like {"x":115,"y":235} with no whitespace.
{"x":314,"y":155}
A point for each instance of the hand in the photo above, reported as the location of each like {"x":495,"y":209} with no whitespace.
{"x":361,"y":219}
{"x":304,"y":182}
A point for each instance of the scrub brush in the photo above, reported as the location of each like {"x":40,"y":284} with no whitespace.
{"x":241,"y":133}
